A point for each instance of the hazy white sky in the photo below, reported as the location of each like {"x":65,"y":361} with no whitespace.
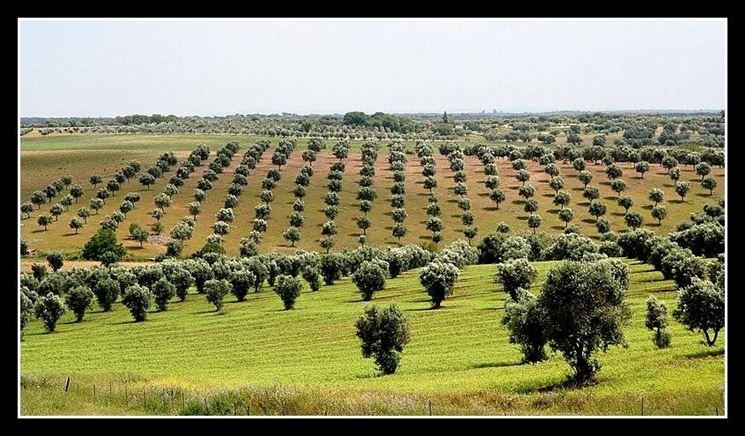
{"x":218,"y":67}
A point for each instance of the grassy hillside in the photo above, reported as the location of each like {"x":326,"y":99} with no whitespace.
{"x":260,"y":358}
{"x":46,"y":159}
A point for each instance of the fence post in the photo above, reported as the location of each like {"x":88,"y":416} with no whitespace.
{"x":716,"y":409}
{"x":430,"y":407}
{"x":67,"y":384}
{"x":642,"y":406}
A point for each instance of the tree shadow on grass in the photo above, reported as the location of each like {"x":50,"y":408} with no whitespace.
{"x":578,"y":189}
{"x":589,"y":221}
{"x":617,"y":213}
{"x":647,"y":207}
{"x":522,"y":218}
{"x":703,"y":195}
{"x":565,"y":385}
{"x":129,"y":321}
{"x":483,"y":194}
{"x":518,"y":201}
{"x":550,"y":195}
{"x":557,"y":227}
{"x":44,"y":332}
{"x":203,"y":312}
{"x":491,"y":208}
{"x":38,"y":231}
{"x":452,"y":200}
{"x":496,"y":364}
{"x":610,"y":197}
{"x":677,"y":201}
{"x":712,"y":352}
{"x":430,"y":308}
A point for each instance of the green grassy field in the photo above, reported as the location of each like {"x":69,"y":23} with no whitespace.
{"x":47,"y":158}
{"x":257,"y":358}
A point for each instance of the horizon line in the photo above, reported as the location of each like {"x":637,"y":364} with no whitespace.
{"x":409,"y":112}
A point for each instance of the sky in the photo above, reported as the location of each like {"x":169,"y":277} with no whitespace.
{"x":220,"y":67}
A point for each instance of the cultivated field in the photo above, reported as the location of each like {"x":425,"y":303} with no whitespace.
{"x":257,"y":358}
{"x":45,"y":159}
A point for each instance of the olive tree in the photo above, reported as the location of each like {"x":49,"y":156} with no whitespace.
{"x":534,"y":221}
{"x":163,"y":290}
{"x":618,"y":186}
{"x":524,"y":320}
{"x":291,"y":235}
{"x":76,"y":224}
{"x":288,"y":288}
{"x":657,"y":320}
{"x":56,"y":210}
{"x":633,"y":220}
{"x":641,"y":167}
{"x":369,"y":278}
{"x":659,"y":213}
{"x":701,"y":307}
{"x":182,"y":280}
{"x":497,"y":196}
{"x":656,"y":195}
{"x":438,"y":279}
{"x":311,"y":275}
{"x":597,"y":209}
{"x":531,"y":206}
{"x":147,"y":180}
{"x":434,"y":224}
{"x":585,"y":177}
{"x":49,"y":309}
{"x":709,"y":183}
{"x":703,"y":169}
{"x":591,"y":193}
{"x":556,"y":183}
{"x":55,"y":260}
{"x":584,"y":309}
{"x":566,"y":215}
{"x":78,"y":300}
{"x":84,"y":213}
{"x":76,"y":191}
{"x":526,"y":191}
{"x":514,"y":274}
{"x":625,"y":203}
{"x":682,"y":189}
{"x":383,"y":335}
{"x":106,"y":292}
{"x":215,"y":291}
{"x":523,"y":176}
{"x":137,"y":299}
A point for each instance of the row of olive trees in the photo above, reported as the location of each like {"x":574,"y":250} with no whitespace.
{"x":302,"y":181}
{"x":252,"y":156}
{"x":366,"y":193}
{"x":75,"y":192}
{"x":397,"y":164}
{"x":429,"y":171}
{"x":171,"y":278}
{"x":332,"y":199}
{"x":457,"y":165}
